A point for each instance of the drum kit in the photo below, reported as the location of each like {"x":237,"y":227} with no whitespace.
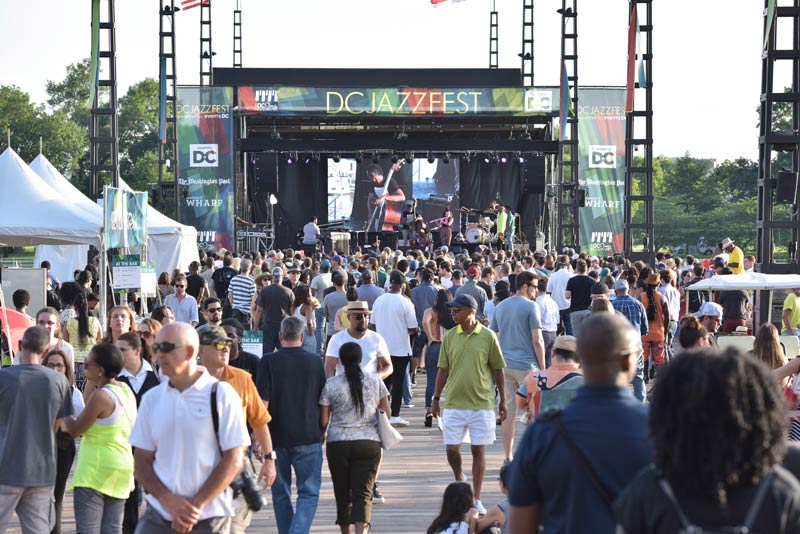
{"x":480,"y":232}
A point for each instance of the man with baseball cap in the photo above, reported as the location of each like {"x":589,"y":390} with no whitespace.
{"x":475,"y":291}
{"x":469,"y":360}
{"x":710,"y":316}
{"x":553,"y":387}
{"x":274,"y":302}
{"x":634,"y":312}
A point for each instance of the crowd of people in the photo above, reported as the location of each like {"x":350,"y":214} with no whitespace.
{"x":172,"y":410}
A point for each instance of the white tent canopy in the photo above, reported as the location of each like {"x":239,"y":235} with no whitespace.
{"x":170,"y":244}
{"x":748,"y":281}
{"x":32,"y":213}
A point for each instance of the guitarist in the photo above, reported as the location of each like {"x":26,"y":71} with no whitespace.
{"x":384,"y":200}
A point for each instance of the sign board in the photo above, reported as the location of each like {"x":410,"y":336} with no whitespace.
{"x":126,"y":272}
{"x":149,"y":279}
{"x":253,"y":342}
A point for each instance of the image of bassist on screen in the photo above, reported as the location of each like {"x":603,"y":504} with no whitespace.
{"x":385,"y":200}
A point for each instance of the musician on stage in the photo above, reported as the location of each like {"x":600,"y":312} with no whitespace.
{"x":406,"y":225}
{"x":311,"y":233}
{"x":446,"y":227}
{"x":383,"y":204}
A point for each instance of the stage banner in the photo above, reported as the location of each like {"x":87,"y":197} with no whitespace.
{"x":125,"y":218}
{"x":601,"y":172}
{"x":205,"y":164}
{"x":398,"y":101}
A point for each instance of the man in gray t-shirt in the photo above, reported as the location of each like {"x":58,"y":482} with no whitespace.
{"x":32,"y":397}
{"x":334,"y":300}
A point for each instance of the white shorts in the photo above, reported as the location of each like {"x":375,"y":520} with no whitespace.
{"x":480,"y":424}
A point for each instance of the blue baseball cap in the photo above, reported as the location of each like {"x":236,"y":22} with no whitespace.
{"x":463,"y":300}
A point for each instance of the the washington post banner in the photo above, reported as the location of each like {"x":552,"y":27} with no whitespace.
{"x":125,"y":218}
{"x":205,"y":163}
{"x":601,"y":172}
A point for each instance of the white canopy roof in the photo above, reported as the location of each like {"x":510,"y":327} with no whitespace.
{"x":32,"y":213}
{"x":170,"y":244}
{"x":748,"y":281}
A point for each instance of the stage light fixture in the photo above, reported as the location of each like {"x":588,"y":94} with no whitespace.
{"x":315,"y":156}
{"x":375,"y":159}
{"x":566,"y":12}
{"x":337,"y":158}
{"x":526,"y":55}
{"x":520,"y":157}
{"x":446,"y":158}
{"x":487,"y":158}
{"x":359,"y":157}
{"x":503,"y":159}
{"x":394,"y":158}
{"x":409,"y":157}
{"x":289,"y":159}
{"x":431,"y":159}
{"x":307,"y":159}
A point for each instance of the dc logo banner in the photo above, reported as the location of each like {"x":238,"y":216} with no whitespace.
{"x":602,"y":156}
{"x":203,"y":155}
{"x":541,"y":101}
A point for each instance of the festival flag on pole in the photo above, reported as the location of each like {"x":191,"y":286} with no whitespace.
{"x":770,"y":20}
{"x":189,"y":4}
{"x":162,"y":102}
{"x":565,"y":108}
{"x":633,"y":30}
{"x":94,"y":64}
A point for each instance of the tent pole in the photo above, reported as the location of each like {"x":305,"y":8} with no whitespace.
{"x":5,"y":324}
{"x":103,"y":262}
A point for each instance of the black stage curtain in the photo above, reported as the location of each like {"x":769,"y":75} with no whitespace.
{"x":302,"y":193}
{"x":482,"y":182}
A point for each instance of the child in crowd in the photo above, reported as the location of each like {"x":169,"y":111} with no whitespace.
{"x":458,"y":515}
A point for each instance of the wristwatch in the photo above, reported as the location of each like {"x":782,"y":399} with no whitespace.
{"x":436,"y":398}
{"x":271,"y":455}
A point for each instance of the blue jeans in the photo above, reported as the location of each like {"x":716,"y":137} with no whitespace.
{"x":407,"y":398}
{"x":638,"y":381}
{"x":307,"y":463}
{"x":565,"y":318}
{"x":319,"y":334}
{"x":431,"y":370}
{"x":271,"y":340}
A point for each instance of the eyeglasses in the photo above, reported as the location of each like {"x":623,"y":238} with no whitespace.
{"x":88,"y":363}
{"x":358,"y":317}
{"x":145,"y":334}
{"x":220,"y":345}
{"x":166,"y":347}
{"x":56,"y":366}
{"x":213,"y":310}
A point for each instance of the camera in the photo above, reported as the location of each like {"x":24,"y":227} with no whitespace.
{"x":245,"y":484}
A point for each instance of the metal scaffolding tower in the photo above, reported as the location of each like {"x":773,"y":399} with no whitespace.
{"x":527,"y":43}
{"x":567,"y":191}
{"x":103,"y":128}
{"x":206,"y":51}
{"x":168,"y":142}
{"x":494,"y":39}
{"x":638,"y":241}
{"x":776,"y":226}
{"x":237,"y":35}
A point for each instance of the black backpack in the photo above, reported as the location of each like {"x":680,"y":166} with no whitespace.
{"x":687,"y":527}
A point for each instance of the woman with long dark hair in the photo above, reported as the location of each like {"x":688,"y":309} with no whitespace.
{"x":349,"y":404}
{"x":718,"y":424}
{"x":304,"y":309}
{"x":436,"y":321}
{"x":65,"y":455}
{"x":458,"y":515}
{"x":103,"y":477}
{"x":655,"y":342}
{"x":82,"y":331}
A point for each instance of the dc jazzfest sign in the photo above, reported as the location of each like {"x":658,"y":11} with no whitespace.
{"x":204,"y":155}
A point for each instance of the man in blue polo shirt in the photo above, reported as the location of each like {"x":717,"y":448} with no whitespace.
{"x":549,"y":485}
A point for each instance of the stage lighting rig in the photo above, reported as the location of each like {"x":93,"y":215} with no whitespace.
{"x":431,"y":159}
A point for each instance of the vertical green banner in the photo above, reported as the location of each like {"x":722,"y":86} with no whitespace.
{"x":601,"y":139}
{"x":205,"y":163}
{"x":125,"y":218}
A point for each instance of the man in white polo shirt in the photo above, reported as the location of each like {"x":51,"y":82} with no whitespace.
{"x":187,"y":483}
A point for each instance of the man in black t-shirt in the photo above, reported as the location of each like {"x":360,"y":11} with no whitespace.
{"x":273,"y":303}
{"x":221,"y":278}
{"x":579,"y":291}
{"x":196,"y":284}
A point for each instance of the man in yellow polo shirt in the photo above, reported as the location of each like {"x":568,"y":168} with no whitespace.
{"x":735,"y":256}
{"x":791,"y":313}
{"x":469,"y":360}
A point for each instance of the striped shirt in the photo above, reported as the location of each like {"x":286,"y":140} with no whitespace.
{"x":242,"y":288}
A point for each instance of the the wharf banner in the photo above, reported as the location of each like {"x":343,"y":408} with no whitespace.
{"x":125,"y":218}
{"x":398,"y":101}
{"x":205,"y":164}
{"x":601,"y":172}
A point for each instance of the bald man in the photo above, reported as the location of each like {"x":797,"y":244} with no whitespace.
{"x":603,"y":421}
{"x":195,"y":464}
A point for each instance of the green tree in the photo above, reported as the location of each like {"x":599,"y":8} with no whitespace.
{"x":71,"y":94}
{"x":688,"y":180}
{"x":138,"y":134}
{"x":64,"y":141}
{"x":737,"y":179}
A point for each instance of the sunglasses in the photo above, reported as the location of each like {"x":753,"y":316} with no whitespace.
{"x":220,"y":345}
{"x":145,"y":335}
{"x":213,"y":310}
{"x":180,"y":286}
{"x":166,"y":347}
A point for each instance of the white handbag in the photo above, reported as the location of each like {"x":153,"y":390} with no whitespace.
{"x":388,"y":434}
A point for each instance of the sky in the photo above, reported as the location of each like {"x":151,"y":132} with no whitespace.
{"x":706,"y":67}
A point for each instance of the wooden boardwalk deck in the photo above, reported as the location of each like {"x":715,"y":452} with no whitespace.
{"x":413,"y":477}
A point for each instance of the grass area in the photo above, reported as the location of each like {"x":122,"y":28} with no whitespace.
{"x":17,"y":256}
